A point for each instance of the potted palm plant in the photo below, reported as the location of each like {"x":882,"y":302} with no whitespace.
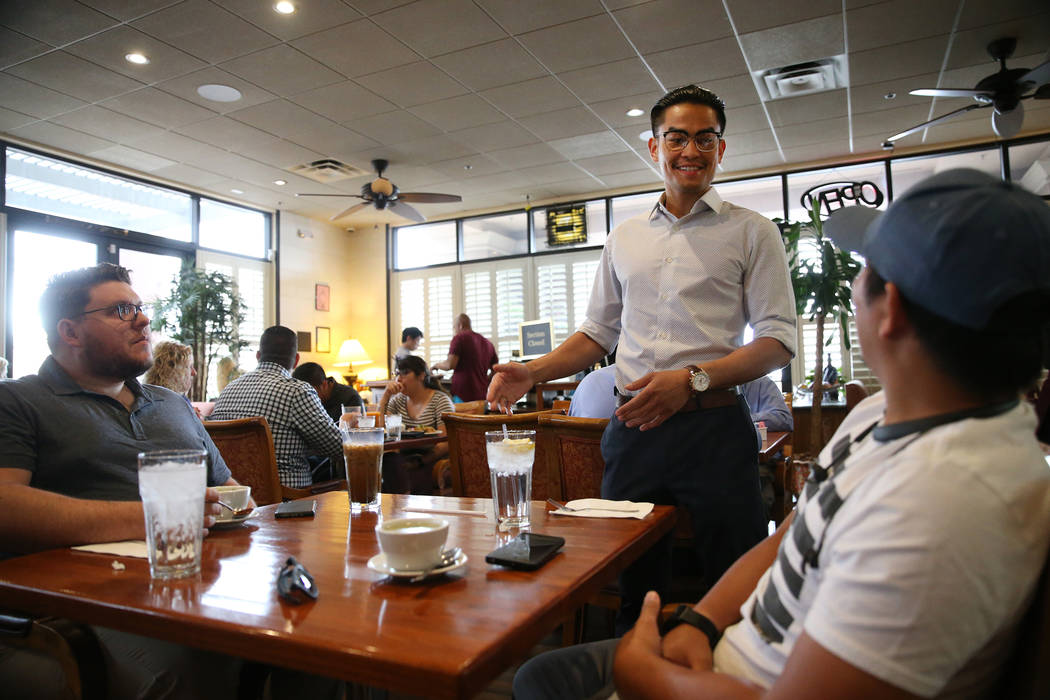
{"x":822,"y":286}
{"x":204,"y":310}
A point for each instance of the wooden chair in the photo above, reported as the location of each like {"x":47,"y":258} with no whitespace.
{"x":72,"y":645}
{"x":855,"y":392}
{"x":561,"y":404}
{"x":574,"y":454}
{"x":474,"y":408}
{"x":468,"y":461}
{"x":246,"y":445}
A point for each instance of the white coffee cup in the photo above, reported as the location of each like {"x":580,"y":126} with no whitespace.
{"x":237,"y":497}
{"x":412,"y":544}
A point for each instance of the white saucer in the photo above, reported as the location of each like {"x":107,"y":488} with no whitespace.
{"x":378,"y":564}
{"x":232,"y":522}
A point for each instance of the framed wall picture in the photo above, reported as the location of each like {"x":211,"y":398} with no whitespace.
{"x":322,"y":297}
{"x":303,"y":338}
{"x":324,"y":338}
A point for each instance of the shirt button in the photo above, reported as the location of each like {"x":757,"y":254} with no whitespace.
{"x":663,"y":297}
{"x":662,"y":336}
{"x":668,"y":260}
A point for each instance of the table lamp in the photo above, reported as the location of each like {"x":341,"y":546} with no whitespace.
{"x":351,"y":351}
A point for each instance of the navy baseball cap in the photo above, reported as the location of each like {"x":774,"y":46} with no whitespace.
{"x":960,"y":244}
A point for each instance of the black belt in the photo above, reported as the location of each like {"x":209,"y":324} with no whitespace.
{"x":715,"y":398}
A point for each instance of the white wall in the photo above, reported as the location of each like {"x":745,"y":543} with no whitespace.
{"x":353,"y":265}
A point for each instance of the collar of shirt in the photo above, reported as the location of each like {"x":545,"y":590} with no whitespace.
{"x":274,"y":368}
{"x":709,"y":200}
{"x":55,"y":377}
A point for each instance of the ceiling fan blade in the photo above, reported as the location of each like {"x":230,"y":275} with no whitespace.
{"x":1038,"y":76}
{"x":349,"y":211}
{"x":402,"y":209}
{"x":1007,"y":124}
{"x":428,"y":197}
{"x":948,"y":92}
{"x":938,"y":120}
{"x":1043,"y":93}
{"x":316,"y":194}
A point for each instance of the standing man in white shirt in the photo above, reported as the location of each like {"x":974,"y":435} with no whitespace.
{"x":674,"y":290}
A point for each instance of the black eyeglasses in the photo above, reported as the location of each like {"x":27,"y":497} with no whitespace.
{"x":295,"y":584}
{"x":126,"y":311}
{"x":705,"y":141}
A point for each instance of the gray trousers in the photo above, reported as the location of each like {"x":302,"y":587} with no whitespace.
{"x":581,"y":672}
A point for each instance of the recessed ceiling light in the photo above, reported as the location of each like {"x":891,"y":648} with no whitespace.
{"x":284,"y":7}
{"x":635,"y":112}
{"x":282,"y":183}
{"x":237,"y":191}
{"x":219,"y":93}
{"x":136,"y":58}
{"x":646,"y":135}
{"x":889,"y":96}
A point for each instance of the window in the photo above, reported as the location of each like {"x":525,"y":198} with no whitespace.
{"x":1030,"y":167}
{"x":428,"y":244}
{"x":596,"y":229}
{"x":495,"y":236}
{"x":906,"y":172}
{"x":563,"y":290}
{"x":494,"y":298}
{"x":233,"y":229}
{"x":52,"y":186}
{"x":764,"y":195}
{"x":623,"y":208}
{"x":425,"y":300}
{"x":825,"y":181}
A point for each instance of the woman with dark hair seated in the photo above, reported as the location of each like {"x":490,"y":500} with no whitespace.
{"x":417,"y":397}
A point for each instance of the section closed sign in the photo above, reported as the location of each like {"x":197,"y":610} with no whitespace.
{"x":535,"y":338}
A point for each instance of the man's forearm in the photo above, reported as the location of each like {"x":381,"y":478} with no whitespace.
{"x":759,"y":357}
{"x":575,"y":354}
{"x":32,"y":520}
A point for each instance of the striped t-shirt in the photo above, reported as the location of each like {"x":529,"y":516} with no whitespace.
{"x":431,"y":415}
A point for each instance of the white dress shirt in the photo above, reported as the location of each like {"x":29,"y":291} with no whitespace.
{"x":672,"y":292}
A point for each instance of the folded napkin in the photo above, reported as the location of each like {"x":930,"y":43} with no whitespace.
{"x":601,"y":508}
{"x":128,"y":548}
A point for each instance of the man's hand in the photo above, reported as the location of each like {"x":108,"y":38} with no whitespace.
{"x":636,"y":653}
{"x":211,"y":508}
{"x":685,"y":645}
{"x":509,"y":383}
{"x":661,"y":395}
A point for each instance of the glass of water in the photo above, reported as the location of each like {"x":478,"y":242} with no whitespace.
{"x":172,"y":485}
{"x":511,"y":455}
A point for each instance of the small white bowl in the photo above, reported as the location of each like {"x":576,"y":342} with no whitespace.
{"x":412,"y":544}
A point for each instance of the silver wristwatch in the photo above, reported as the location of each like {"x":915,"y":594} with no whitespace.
{"x":699,"y":380}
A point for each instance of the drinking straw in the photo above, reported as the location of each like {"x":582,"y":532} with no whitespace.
{"x":506,"y":435}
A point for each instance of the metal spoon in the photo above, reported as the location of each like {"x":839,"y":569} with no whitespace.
{"x":237,"y":512}
{"x":447,"y":558}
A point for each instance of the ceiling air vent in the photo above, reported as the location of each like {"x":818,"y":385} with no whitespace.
{"x":327,"y":170}
{"x":802,"y":78}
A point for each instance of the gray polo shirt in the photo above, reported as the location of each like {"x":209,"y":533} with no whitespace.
{"x":86,"y":445}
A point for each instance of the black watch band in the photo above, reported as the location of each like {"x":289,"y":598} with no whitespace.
{"x":686,"y":614}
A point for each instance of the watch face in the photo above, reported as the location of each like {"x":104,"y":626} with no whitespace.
{"x":700,"y":381}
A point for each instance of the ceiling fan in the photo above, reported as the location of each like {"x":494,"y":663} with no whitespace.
{"x":1002,"y":91}
{"x":381,"y":193}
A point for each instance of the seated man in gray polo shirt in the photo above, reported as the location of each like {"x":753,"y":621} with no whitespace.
{"x":69,"y":440}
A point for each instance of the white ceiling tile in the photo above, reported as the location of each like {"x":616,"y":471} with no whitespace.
{"x":458,"y":113}
{"x":189,"y":175}
{"x":186,"y":88}
{"x":971,"y":47}
{"x":356,"y":48}
{"x":751,"y":142}
{"x":371,"y":7}
{"x":699,"y":63}
{"x":15,"y":47}
{"x":394,"y":126}
{"x":414,"y":84}
{"x":886,"y":122}
{"x":282,"y":154}
{"x":74,"y":76}
{"x":530,"y":97}
{"x":754,"y":15}
{"x":642,"y":178}
{"x":897,"y":60}
{"x":282,"y":70}
{"x":10,"y":119}
{"x":586,"y":145}
{"x":414,"y":25}
{"x":37,"y":101}
{"x":614,"y":112}
{"x":520,"y":17}
{"x":227,"y":133}
{"x":744,"y":119}
{"x":106,"y":123}
{"x":796,"y":43}
{"x":524,"y":156}
{"x":667,"y":24}
{"x":128,"y":9}
{"x":562,"y":124}
{"x":109,"y":48}
{"x":627,"y":161}
{"x":807,"y":108}
{"x":490,"y":65}
{"x":131,"y":158}
{"x":553,"y":172}
{"x":343,"y":102}
{"x":310,"y":16}
{"x":765,"y":159}
{"x":578,"y":44}
{"x":497,"y":136}
{"x":205,"y":30}
{"x":977,"y":14}
{"x":60,"y":137}
{"x":872,"y":97}
{"x":574,"y":186}
{"x":818,"y":151}
{"x":610,"y":80}
{"x":278,"y":117}
{"x":480,"y":166}
{"x":55,"y":22}
{"x":179,"y":148}
{"x":156,"y":107}
{"x":432,"y":149}
{"x":795,"y":135}
{"x":735,"y":91}
{"x":899,"y":21}
{"x":332,"y":140}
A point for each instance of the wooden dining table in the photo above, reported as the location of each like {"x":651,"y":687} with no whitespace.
{"x":415,"y":442}
{"x":448,"y":636}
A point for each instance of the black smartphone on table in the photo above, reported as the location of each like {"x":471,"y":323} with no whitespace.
{"x":296,"y":509}
{"x":527,"y":551}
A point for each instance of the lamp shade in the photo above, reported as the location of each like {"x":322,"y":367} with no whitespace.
{"x":351,"y":352}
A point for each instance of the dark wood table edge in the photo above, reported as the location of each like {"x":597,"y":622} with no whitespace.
{"x":774,"y":441}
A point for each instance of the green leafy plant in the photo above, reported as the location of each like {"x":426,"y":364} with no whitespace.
{"x":822,"y":286}
{"x":204,"y":310}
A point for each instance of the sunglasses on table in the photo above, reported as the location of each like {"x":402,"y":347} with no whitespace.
{"x":295,"y":584}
